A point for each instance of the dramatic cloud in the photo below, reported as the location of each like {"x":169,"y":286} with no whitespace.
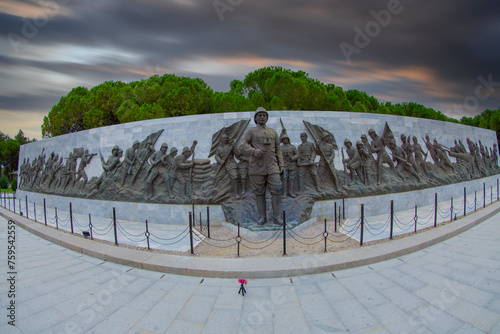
{"x":440,"y":54}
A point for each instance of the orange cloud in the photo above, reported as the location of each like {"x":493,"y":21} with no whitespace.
{"x":30,"y":10}
{"x":424,"y":79}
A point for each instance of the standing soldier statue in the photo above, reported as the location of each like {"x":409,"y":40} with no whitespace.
{"x":183,"y":168}
{"x":128,"y":164}
{"x":366,"y":161}
{"x":353,"y":162}
{"x":159,"y":166}
{"x":262,"y":145}
{"x":305,"y":162}
{"x":420,"y":156}
{"x":70,"y":170}
{"x":290,"y":156}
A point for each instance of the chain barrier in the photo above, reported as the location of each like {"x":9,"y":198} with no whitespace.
{"x":220,"y":240}
{"x":429,"y":218}
{"x":292,"y":232}
{"x":130,"y":234}
{"x":488,"y":198}
{"x":443,"y":215}
{"x":81,"y":227}
{"x":347,"y":230}
{"x":382,"y":229}
{"x":345,"y":226}
{"x":345,"y":236}
{"x":411,"y":222}
{"x":458,"y":209}
{"x":355,"y":227}
{"x":306,"y":243}
{"x":168,"y":239}
{"x":152,"y":238}
{"x":430,"y":214}
{"x":40,"y":216}
{"x":124,"y":233}
{"x":65,"y":220}
{"x":104,"y":231}
{"x":401,"y":224}
{"x":272,"y":242}
{"x":445,"y":211}
{"x":218,"y":246}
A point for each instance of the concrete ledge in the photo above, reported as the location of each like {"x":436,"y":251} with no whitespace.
{"x":255,"y":267}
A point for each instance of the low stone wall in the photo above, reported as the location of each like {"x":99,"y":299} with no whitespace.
{"x":376,"y":205}
{"x":179,"y":214}
{"x":154,"y":213}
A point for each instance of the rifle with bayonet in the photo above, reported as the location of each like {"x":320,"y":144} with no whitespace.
{"x":345,"y":168}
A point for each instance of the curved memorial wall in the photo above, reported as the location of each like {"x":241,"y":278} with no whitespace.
{"x":157,"y":169}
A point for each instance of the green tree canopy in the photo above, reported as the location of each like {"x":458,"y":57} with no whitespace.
{"x":272,"y":87}
{"x":9,"y":151}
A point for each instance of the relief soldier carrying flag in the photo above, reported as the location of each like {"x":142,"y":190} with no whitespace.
{"x":326,"y":146}
{"x":225,"y":150}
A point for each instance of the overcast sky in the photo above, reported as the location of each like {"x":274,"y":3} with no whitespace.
{"x":443,"y":54}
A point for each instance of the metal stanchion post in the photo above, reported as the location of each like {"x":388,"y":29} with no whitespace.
{"x":44,"y":212}
{"x":191,"y":232}
{"x":335,"y":214}
{"x":362,"y":224}
{"x":34,"y":210}
{"x":484,"y":194}
{"x":194,"y":217}
{"x":147,"y":234}
{"x":27,"y":211}
{"x":57,"y":220}
{"x":451,"y":210}
{"x":392,"y":219}
{"x":325,"y":235}
{"x":416,"y":218}
{"x":114,"y":226}
{"x":284,"y":233}
{"x":71,"y":216}
{"x":343,"y":208}
{"x":435,"y":208}
{"x":238,"y":240}
{"x":465,"y":201}
{"x":90,"y":227}
{"x":208,"y":221}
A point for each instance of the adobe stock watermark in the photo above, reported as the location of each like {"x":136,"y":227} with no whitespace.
{"x":94,"y":304}
{"x":372,"y":29}
{"x":31,"y":26}
{"x":483,"y":91}
{"x":222,"y":6}
{"x":446,"y":298}
{"x":264,"y":308}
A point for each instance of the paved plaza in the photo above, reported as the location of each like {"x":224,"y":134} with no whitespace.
{"x":450,"y":287}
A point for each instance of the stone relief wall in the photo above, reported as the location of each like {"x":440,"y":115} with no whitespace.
{"x":200,"y":160}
